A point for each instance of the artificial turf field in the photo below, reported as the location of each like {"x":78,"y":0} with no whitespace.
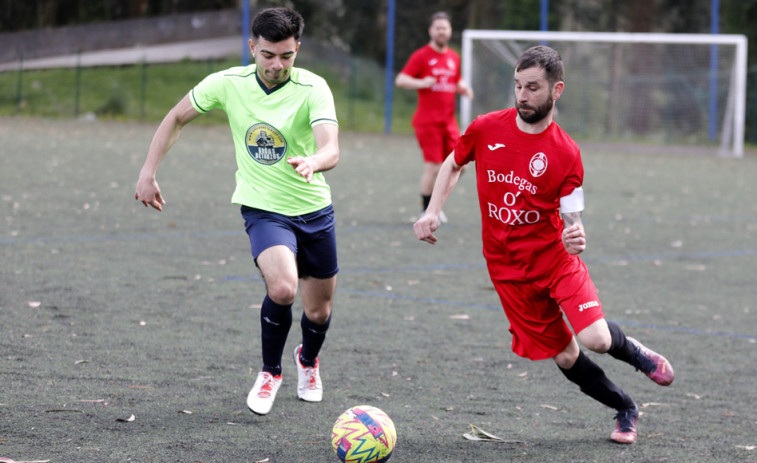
{"x":110,"y":311}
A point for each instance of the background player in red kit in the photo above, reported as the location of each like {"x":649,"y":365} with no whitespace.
{"x":434,"y":71}
{"x":529,"y":174}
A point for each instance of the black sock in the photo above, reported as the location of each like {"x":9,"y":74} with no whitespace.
{"x":275,"y":321}
{"x":594,"y":383}
{"x":620,"y":348}
{"x":313,"y":336}
{"x":426,"y":200}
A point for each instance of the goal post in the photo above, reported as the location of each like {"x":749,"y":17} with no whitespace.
{"x":657,"y":89}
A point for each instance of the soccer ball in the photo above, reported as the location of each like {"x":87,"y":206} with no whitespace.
{"x":363,"y":434}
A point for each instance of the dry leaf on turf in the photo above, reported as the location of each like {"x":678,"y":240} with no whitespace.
{"x":478,"y":434}
{"x":652,"y":404}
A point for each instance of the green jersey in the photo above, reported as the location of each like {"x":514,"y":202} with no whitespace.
{"x":269,"y":125}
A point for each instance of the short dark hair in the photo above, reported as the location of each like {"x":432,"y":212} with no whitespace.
{"x":277,"y":24}
{"x":439,"y":15}
{"x":545,"y":57}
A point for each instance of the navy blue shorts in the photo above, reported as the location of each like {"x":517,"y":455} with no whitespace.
{"x":311,"y":237}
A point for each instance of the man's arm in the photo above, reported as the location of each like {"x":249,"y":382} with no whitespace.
{"x":411,"y":83}
{"x":147,"y":189}
{"x":326,"y":156}
{"x":573,"y":234}
{"x":446,"y":180}
{"x":464,"y":89}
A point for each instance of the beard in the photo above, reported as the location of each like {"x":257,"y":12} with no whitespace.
{"x":441,"y":42}
{"x":538,"y":113}
{"x":277,"y":77}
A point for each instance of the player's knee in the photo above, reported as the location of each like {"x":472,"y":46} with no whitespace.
{"x":565,"y":360}
{"x":596,"y":337}
{"x":568,"y":356}
{"x":596,"y":343}
{"x":282,"y":292}
{"x":320,"y":316}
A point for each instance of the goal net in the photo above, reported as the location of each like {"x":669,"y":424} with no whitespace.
{"x":656,"y":89}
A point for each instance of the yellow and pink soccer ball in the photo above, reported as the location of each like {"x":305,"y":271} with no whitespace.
{"x":363,"y":434}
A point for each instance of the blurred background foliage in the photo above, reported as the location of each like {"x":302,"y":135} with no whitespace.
{"x":356,"y":29}
{"x":359,"y":26}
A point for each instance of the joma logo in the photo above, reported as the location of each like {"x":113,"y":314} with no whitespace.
{"x":587,"y":305}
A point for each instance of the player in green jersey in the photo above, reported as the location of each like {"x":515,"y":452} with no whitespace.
{"x":285,"y":133}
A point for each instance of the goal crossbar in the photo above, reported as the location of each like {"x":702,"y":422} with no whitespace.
{"x":735,"y":112}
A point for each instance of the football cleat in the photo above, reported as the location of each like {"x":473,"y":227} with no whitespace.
{"x":654,"y":365}
{"x":625,"y":426}
{"x":309,"y":387}
{"x":263,"y":393}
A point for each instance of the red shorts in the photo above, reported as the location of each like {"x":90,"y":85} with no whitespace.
{"x":535,"y":309}
{"x":437,"y":140}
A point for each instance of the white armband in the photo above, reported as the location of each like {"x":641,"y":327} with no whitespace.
{"x":574,"y":202}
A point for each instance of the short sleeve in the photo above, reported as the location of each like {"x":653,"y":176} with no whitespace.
{"x":321,"y":104}
{"x":458,"y":75}
{"x":208,"y":94}
{"x":574,"y":176}
{"x":465,"y":149}
{"x":414,"y":65}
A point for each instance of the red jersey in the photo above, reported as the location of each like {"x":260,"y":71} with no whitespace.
{"x":435,"y":104}
{"x":521,"y":178}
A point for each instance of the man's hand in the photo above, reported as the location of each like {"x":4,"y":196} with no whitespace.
{"x":574,"y":239}
{"x":427,"y":82}
{"x":426,"y":226}
{"x":463,"y":89}
{"x":148,"y":192}
{"x":413,"y":83}
{"x":302,"y":166}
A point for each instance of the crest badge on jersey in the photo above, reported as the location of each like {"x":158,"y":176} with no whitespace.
{"x":538,"y":164}
{"x":265,"y":144}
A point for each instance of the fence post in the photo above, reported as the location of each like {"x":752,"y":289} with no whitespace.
{"x":19,"y":84}
{"x":77,"y":84}
{"x":752,"y":104}
{"x":352,"y":92}
{"x":143,"y":90}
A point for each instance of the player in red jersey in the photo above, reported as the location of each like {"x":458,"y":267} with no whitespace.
{"x":529,"y":176}
{"x":434,"y":71}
